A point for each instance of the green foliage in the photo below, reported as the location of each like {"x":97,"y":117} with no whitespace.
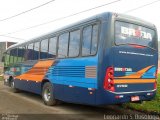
{"x":149,"y":106}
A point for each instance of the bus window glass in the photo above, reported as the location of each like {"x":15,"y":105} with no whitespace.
{"x":63,"y":45}
{"x":26,"y":53}
{"x":44,"y":49}
{"x":94,"y":39}
{"x":30,"y":52}
{"x":52,"y":47}
{"x":36,"y":51}
{"x":127,"y":33}
{"x":74,"y":43}
{"x":6,"y":62}
{"x":86,"y":43}
{"x":23,"y":50}
{"x":19,"y":57}
{"x":13,"y":55}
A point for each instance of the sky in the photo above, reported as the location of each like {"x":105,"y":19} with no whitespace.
{"x":24,"y":26}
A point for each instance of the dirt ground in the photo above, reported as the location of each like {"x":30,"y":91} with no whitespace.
{"x":28,"y":106}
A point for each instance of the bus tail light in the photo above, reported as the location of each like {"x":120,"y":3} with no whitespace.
{"x":109,"y":79}
{"x":155,"y":85}
{"x":156,"y":73}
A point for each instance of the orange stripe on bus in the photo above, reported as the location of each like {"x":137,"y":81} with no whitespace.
{"x":38,"y":75}
{"x":134,"y":81}
{"x":137,"y":74}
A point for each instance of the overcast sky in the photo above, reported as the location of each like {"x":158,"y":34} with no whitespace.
{"x":18,"y":26}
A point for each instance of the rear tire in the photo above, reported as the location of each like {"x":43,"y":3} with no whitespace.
{"x":12,"y":85}
{"x":47,"y":95}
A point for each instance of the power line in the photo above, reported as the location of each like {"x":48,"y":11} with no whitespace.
{"x":80,"y":13}
{"x":12,"y":37}
{"x":61,"y":18}
{"x":142,"y":6}
{"x":13,"y":16}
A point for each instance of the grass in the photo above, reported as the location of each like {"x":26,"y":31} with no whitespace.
{"x":148,"y":106}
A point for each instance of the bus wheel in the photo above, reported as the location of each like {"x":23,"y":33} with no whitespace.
{"x":12,"y":85}
{"x":47,"y":95}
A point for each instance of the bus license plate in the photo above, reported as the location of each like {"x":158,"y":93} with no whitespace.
{"x":135,"y":98}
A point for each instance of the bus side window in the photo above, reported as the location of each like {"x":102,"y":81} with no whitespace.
{"x":4,"y":58}
{"x":21,"y":52}
{"x":94,"y":39}
{"x":13,"y":56}
{"x":36,"y":51}
{"x":86,"y":42}
{"x":74,"y":43}
{"x":6,"y":63}
{"x":30,"y":52}
{"x":52,"y":47}
{"x":63,"y":45}
{"x":89,"y":40}
{"x":26,"y":52}
{"x":44,"y":49}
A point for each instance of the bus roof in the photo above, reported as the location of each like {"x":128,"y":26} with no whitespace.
{"x":102,"y":16}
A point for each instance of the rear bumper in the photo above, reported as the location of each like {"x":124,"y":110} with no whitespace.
{"x":133,"y":92}
{"x":124,"y":97}
{"x":143,"y":95}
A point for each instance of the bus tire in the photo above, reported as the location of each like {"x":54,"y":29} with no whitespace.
{"x":47,"y":95}
{"x":12,"y":85}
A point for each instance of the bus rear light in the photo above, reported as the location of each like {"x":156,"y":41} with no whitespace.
{"x":137,"y":46}
{"x":155,"y":85}
{"x":149,"y":94}
{"x":156,"y":73}
{"x":119,"y":96}
{"x":109,"y":79}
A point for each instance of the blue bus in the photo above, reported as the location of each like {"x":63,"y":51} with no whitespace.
{"x":109,"y":58}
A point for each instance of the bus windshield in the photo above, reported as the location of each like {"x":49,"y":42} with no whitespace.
{"x":127,"y":33}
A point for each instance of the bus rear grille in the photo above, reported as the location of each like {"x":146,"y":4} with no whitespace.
{"x":90,"y":72}
{"x":68,"y":71}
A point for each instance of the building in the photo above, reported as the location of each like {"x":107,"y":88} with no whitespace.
{"x":3,"y":47}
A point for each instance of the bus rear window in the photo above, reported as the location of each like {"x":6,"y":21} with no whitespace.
{"x":127,"y":33}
